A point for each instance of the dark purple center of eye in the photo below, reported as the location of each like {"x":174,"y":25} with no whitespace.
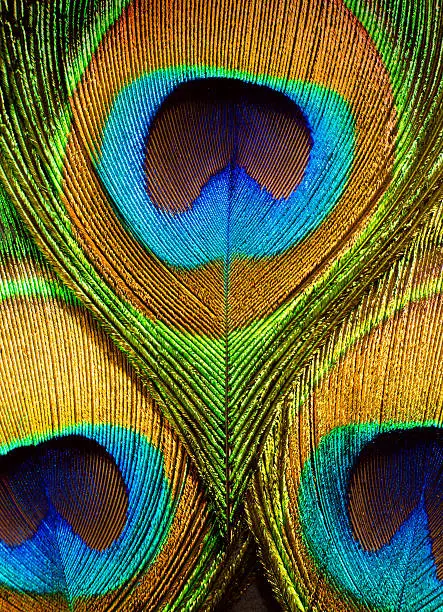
{"x":392,"y":475}
{"x":75,"y":475}
{"x":207,"y":125}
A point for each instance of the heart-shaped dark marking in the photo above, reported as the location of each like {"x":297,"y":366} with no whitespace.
{"x":207,"y":125}
{"x":77,"y":476}
{"x":390,"y":477}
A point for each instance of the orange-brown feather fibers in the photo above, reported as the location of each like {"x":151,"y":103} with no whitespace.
{"x":175,"y":34}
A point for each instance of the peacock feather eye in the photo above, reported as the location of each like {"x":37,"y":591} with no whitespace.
{"x":81,"y":497}
{"x":99,"y":501}
{"x":231,"y":123}
{"x":64,"y":473}
{"x":259,"y":157}
{"x":382,"y":498}
{"x":394,"y":478}
{"x":227,"y":169}
{"x":349,"y":484}
{"x":220,"y":287}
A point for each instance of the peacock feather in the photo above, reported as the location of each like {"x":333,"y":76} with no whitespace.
{"x":346,"y":503}
{"x":236,"y":206}
{"x":99,"y":501}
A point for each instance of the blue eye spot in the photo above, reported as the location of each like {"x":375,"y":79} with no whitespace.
{"x":240,"y":209}
{"x":63,"y":550}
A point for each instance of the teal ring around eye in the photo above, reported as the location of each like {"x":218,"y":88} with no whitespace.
{"x":223,"y":222}
{"x":49,"y":562}
{"x":402,"y":570}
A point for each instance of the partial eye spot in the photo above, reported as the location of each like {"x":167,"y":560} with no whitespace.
{"x":393,"y":475}
{"x":74,"y":475}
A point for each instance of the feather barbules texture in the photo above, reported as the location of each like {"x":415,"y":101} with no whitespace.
{"x":237,"y":204}
{"x":336,"y":504}
{"x":100,"y":506}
